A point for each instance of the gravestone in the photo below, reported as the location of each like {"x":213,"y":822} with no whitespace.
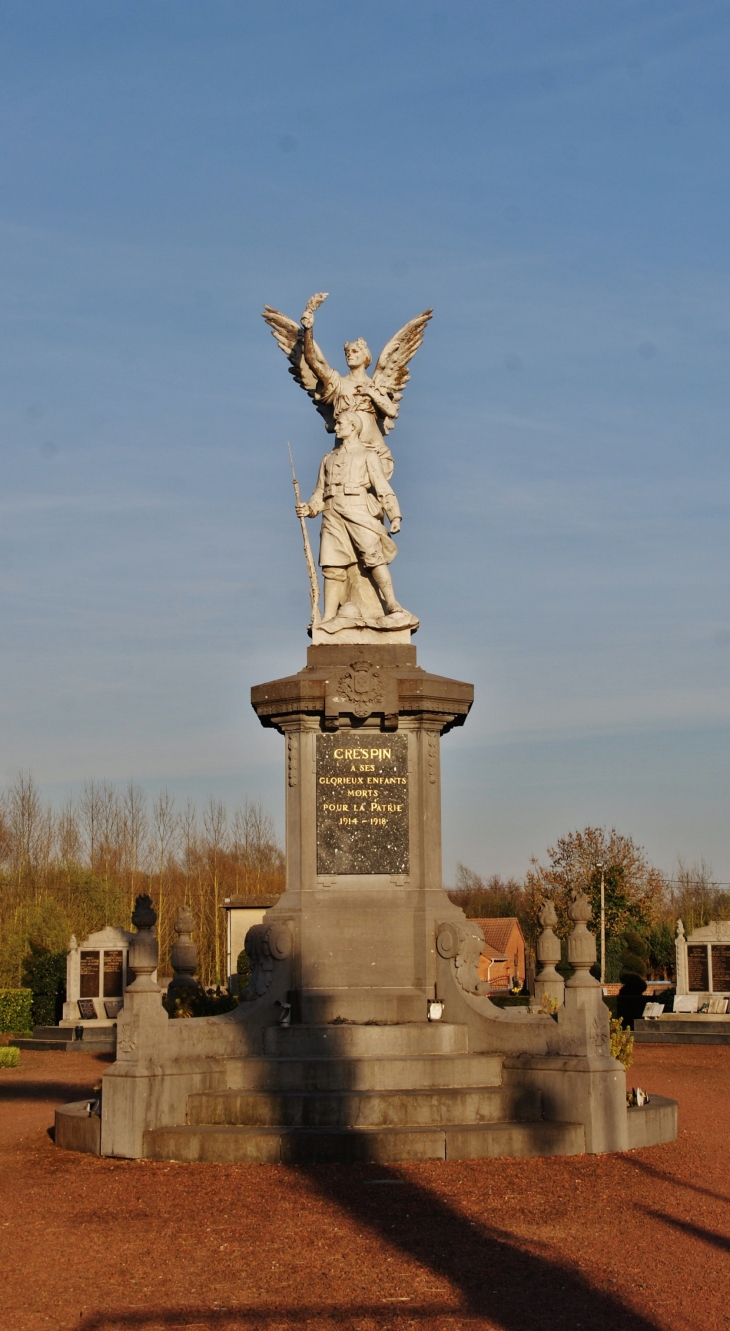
{"x":697,"y":968}
{"x":703,"y":959}
{"x":97,"y":975}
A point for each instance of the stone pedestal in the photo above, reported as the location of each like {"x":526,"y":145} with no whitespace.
{"x":330,"y":1054}
{"x":363,"y":725}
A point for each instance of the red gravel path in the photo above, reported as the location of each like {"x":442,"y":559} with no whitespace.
{"x":603,"y":1243}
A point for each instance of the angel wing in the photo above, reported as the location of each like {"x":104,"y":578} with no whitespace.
{"x":391,"y":372}
{"x":289,"y":335}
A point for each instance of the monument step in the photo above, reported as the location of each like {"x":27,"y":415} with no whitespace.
{"x":69,"y":1045}
{"x":680,"y":1032}
{"x":394,"y":1072}
{"x":358,"y":1004}
{"x":347,"y":1040}
{"x":279,"y":1145}
{"x":364,"y":1109}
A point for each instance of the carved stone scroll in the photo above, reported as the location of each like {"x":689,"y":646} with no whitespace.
{"x":462,"y":944}
{"x":265,"y":944}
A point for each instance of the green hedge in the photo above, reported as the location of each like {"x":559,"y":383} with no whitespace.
{"x":15,"y":1010}
{"x":510,"y":1000}
{"x":9,"y":1057}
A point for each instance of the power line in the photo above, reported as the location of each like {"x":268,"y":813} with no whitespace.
{"x":683,"y":883}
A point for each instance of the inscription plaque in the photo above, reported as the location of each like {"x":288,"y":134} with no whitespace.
{"x":720,"y":968}
{"x":362,"y":804}
{"x":87,"y":1011}
{"x":113,"y":973}
{"x":89,"y":974}
{"x":697,"y":967}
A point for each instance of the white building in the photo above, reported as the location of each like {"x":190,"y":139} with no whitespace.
{"x":242,"y":913}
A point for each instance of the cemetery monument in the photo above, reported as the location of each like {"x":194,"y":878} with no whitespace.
{"x":366,"y":1032}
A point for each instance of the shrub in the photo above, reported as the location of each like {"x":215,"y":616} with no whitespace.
{"x":662,"y":949}
{"x":199,"y":1003}
{"x":9,"y":1057}
{"x":44,"y":972}
{"x":15,"y":1010}
{"x":632,"y":965}
{"x":633,"y":983}
{"x":622,"y":1043}
{"x":635,"y":953}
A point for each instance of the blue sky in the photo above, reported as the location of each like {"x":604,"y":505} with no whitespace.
{"x":553,"y":179}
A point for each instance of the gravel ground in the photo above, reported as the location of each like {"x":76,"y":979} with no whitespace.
{"x":604,"y":1243}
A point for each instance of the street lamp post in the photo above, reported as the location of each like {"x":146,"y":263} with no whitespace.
{"x":600,"y":866}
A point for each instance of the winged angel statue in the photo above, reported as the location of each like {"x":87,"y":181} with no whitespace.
{"x":353,"y":491}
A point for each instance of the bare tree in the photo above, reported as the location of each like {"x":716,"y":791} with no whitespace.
{"x":25,"y":818}
{"x":135,"y":828}
{"x":164,"y":832}
{"x":89,"y":818}
{"x":694,"y":897}
{"x":255,"y":848}
{"x":78,"y":869}
{"x":215,"y":826}
{"x":68,"y":834}
{"x":110,"y":825}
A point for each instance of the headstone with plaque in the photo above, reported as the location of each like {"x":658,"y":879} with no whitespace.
{"x":703,"y":959}
{"x":697,"y":968}
{"x":97,"y":975}
{"x":721,"y":967}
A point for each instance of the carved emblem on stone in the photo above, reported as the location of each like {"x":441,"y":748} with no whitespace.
{"x":363,"y":688}
{"x":292,"y":760}
{"x":432,"y":757}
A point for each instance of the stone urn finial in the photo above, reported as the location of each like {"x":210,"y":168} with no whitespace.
{"x":144,"y":915}
{"x":581,"y":943}
{"x":549,"y":984}
{"x":183,"y":955}
{"x":143,"y":949}
{"x":547,"y":915}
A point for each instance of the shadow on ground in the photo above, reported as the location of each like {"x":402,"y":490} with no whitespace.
{"x":709,"y":1236}
{"x":664,"y":1176}
{"x":63,"y":1092}
{"x":493,"y":1280}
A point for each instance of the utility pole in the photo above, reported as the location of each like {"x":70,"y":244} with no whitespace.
{"x":601,"y":866}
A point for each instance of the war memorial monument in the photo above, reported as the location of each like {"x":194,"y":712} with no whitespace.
{"x":365,"y":1032}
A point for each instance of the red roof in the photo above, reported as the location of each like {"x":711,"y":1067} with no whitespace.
{"x":498,"y":932}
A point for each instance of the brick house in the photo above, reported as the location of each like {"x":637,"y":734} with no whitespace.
{"x":502,"y":962}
